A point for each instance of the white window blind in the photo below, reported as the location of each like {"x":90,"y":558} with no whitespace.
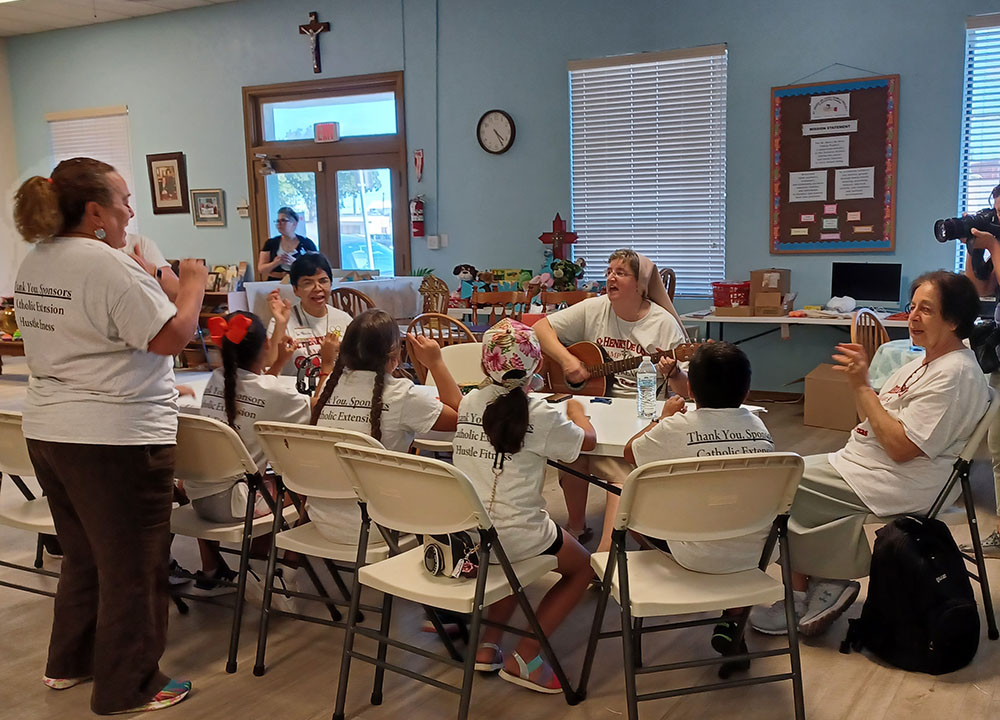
{"x":100,"y":133}
{"x":979,"y":168}
{"x":648,"y":144}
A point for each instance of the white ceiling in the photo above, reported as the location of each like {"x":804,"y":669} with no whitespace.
{"x":31,"y":16}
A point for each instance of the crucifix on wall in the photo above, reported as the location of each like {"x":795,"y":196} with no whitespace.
{"x":313,"y":29}
{"x":558,"y":238}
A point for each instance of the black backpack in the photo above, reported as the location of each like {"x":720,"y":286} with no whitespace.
{"x":920,"y":613}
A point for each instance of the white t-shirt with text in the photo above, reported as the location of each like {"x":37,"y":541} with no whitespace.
{"x":939,"y":405}
{"x":147,"y":249}
{"x":594,"y":320}
{"x":308,"y":331}
{"x":518,"y":511}
{"x":88,"y":313}
{"x":709,"y":432}
{"x":406,"y":411}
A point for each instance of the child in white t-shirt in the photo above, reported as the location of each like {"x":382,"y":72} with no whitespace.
{"x":719,"y":377}
{"x":239,"y":394}
{"x":361,"y":394}
{"x":503,"y":441}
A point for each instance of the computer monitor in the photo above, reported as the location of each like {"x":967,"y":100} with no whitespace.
{"x":870,"y":284}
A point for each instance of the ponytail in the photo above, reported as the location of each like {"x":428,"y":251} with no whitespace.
{"x":236,"y":356}
{"x":46,"y":207}
{"x":505,"y":422}
{"x":376,"y":414}
{"x":328,"y":388}
{"x":229,"y":368}
{"x":36,"y":210}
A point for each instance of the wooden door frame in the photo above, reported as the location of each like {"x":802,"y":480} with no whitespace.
{"x":254,"y":97}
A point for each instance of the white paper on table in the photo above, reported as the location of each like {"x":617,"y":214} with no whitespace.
{"x":829,"y":151}
{"x":854,"y":183}
{"x":830,"y":107}
{"x":829,"y":128}
{"x":807,"y":186}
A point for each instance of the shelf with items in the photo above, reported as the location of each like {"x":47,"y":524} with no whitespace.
{"x":214,"y":304}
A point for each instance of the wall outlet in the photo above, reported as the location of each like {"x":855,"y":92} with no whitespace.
{"x":444,"y":240}
{"x":433,"y":242}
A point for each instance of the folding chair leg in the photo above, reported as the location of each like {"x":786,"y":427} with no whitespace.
{"x":595,"y":630}
{"x":628,"y":650}
{"x":339,"y":582}
{"x":265,"y":613}
{"x":38,"y":553}
{"x":382,"y":649}
{"x":469,"y":669}
{"x":637,"y":641}
{"x":793,"y":625}
{"x":320,"y":590}
{"x":977,"y":546}
{"x":435,"y":617}
{"x":352,"y":616}
{"x":241,"y":584}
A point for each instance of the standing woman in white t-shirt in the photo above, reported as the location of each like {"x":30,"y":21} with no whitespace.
{"x":361,"y":394}
{"x":503,"y":441}
{"x":100,"y":419}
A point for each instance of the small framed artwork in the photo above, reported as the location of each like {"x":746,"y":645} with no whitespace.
{"x":168,"y":185}
{"x":209,"y":208}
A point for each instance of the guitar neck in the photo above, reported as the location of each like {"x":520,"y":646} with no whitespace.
{"x":620,"y":366}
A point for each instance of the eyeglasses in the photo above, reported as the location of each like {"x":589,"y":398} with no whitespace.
{"x":282,"y":221}
{"x":617,"y":273}
{"x":310,"y":285}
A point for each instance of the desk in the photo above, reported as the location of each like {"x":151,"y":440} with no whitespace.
{"x":783,"y":323}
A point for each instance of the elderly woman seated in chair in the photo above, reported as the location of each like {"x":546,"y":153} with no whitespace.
{"x":895,"y":462}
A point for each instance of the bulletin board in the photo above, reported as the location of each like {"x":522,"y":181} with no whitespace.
{"x":833,"y":166}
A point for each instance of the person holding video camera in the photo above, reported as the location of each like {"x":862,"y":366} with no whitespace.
{"x":989,"y":286}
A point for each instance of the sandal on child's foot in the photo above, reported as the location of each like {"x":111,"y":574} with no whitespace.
{"x":171,"y":694}
{"x":493,"y":665}
{"x":64,"y":683}
{"x":524,"y":677}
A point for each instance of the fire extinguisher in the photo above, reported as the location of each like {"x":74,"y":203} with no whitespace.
{"x":417,"y":216}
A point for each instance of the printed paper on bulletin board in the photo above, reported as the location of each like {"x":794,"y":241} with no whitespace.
{"x":833,"y":166}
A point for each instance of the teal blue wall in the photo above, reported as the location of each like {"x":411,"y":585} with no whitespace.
{"x":181,"y":75}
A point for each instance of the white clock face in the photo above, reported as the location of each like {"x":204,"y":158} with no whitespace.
{"x":496,"y":131}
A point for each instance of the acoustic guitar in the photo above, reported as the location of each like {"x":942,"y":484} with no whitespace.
{"x":601,"y":369}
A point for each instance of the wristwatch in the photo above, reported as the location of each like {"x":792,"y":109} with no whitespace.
{"x":159,"y":273}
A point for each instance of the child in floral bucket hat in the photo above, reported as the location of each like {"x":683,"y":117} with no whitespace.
{"x":503,"y":441}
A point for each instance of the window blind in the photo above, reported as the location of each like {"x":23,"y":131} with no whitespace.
{"x":648,"y":145}
{"x":100,"y":133}
{"x":979,"y":168}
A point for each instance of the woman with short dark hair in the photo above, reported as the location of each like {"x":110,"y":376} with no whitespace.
{"x":895,"y":462}
{"x":278,"y":254}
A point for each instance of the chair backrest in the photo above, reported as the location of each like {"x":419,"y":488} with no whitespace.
{"x":209,"y":450}
{"x":709,"y":498}
{"x":14,"y":458}
{"x":411,"y":493}
{"x":669,"y":278}
{"x":564,"y":298}
{"x":982,"y":427}
{"x":351,"y":301}
{"x":435,"y":293}
{"x":307,"y":459}
{"x":501,"y":304}
{"x":464,"y":362}
{"x":443,"y":329}
{"x":867,"y":330}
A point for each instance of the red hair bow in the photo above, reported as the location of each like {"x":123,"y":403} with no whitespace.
{"x":234,"y":331}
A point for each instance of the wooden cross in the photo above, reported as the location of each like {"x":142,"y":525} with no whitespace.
{"x":313,"y":29}
{"x":558,"y":238}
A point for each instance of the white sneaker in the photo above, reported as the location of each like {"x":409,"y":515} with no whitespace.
{"x":991,"y":546}
{"x":771,"y":620}
{"x":828,"y":599}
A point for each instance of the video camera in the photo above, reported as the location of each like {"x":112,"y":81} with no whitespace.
{"x":960,"y":228}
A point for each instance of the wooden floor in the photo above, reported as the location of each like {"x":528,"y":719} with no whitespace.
{"x":303,"y":659}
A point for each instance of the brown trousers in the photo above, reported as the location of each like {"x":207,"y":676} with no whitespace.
{"x":111,"y":508}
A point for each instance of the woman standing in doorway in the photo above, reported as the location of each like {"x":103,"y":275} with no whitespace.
{"x":279,"y":252}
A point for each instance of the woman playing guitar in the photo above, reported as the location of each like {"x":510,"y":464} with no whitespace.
{"x":625,"y":324}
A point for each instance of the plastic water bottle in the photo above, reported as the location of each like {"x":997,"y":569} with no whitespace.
{"x":645,"y":381}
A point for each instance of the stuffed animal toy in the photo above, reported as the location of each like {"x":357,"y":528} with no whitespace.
{"x":466,"y":272}
{"x":486,"y":277}
{"x":565,"y":274}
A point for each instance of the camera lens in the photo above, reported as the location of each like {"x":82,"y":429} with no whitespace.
{"x":941,"y":231}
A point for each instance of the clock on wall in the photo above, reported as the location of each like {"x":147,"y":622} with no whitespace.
{"x":496,"y":131}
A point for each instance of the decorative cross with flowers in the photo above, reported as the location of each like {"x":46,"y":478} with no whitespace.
{"x":558,"y":238}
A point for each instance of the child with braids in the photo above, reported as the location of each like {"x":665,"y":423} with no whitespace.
{"x":503,"y":441}
{"x":239,"y":394}
{"x":361,"y":394}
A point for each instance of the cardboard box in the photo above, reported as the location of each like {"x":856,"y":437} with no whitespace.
{"x":769,"y":280}
{"x":773,"y":304}
{"x":829,"y":400}
{"x":734,"y":311}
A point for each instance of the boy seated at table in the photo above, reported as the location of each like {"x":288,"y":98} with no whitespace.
{"x":719,"y":377}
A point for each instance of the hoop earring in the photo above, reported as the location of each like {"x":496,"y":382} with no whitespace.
{"x":100,"y":234}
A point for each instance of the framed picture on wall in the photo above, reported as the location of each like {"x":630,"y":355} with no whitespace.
{"x":168,"y":184}
{"x":209,"y":208}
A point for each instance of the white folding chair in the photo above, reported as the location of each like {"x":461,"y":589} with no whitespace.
{"x":306,"y":461}
{"x":418,"y":495}
{"x":207,"y":451}
{"x":30,"y":513}
{"x":465,"y":363}
{"x":945,"y":510}
{"x":697,"y":500}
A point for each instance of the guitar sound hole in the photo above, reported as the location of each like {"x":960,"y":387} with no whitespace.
{"x":575,"y":385}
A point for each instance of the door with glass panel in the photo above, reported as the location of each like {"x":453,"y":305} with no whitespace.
{"x":364,"y":198}
{"x":296,"y":184}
